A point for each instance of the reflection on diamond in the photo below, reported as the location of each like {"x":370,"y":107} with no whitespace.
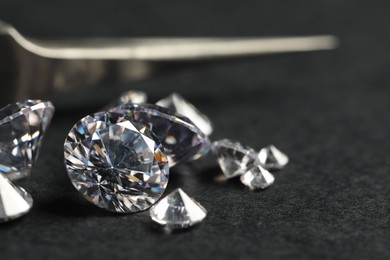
{"x":115,"y":162}
{"x":233,"y":158}
{"x":14,"y":201}
{"x":22,"y":127}
{"x":177,"y":103}
{"x":178,"y":210}
{"x":257,"y":178}
{"x":272,"y":159}
{"x":131,"y":96}
{"x":181,"y":139}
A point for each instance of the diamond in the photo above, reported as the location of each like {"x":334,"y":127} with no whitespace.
{"x":181,"y":139}
{"x":177,"y":103}
{"x":257,"y":178}
{"x":272,"y":159}
{"x":22,"y":127}
{"x":14,"y":201}
{"x":131,"y":96}
{"x":178,"y":210}
{"x":233,"y":158}
{"x":116,"y":163}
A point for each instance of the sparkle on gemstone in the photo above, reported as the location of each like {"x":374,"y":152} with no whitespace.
{"x":14,"y":201}
{"x":181,"y":139}
{"x":233,"y":158}
{"x":257,"y":178}
{"x":177,"y":103}
{"x":115,"y":162}
{"x":272,"y":159}
{"x":22,"y":127}
{"x":178,"y":210}
{"x":131,"y":96}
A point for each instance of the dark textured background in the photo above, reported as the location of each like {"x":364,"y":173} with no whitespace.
{"x":328,"y":111}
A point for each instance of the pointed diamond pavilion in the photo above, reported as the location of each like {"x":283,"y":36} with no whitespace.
{"x":233,"y":158}
{"x":257,"y":178}
{"x":272,"y":159}
{"x":22,"y":126}
{"x":14,"y":201}
{"x":178,"y":210}
{"x":178,"y":104}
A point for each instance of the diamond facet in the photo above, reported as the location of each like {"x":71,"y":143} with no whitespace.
{"x":131,"y":96}
{"x":178,"y":210}
{"x":14,"y":201}
{"x":257,"y":178}
{"x":272,"y":159}
{"x":22,"y":127}
{"x":181,"y":139}
{"x":233,"y":158}
{"x":177,"y":103}
{"x":115,"y":162}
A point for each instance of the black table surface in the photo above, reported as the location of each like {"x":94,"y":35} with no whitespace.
{"x":328,"y":111}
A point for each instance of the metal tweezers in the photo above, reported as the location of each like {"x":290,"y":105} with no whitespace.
{"x":31,"y":68}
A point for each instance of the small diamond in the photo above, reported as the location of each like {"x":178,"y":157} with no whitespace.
{"x":14,"y":201}
{"x":178,"y":210}
{"x":116,"y":163}
{"x":272,"y":159}
{"x":177,"y":103}
{"x":257,"y":178}
{"x":22,"y":127}
{"x":131,"y":96}
{"x":181,"y":139}
{"x":233,"y":158}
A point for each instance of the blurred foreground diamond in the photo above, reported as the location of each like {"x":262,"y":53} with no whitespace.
{"x":233,"y":158}
{"x":181,"y":139}
{"x":272,"y":159}
{"x":257,"y":178}
{"x":131,"y":96}
{"x":115,"y":162}
{"x":178,"y":210}
{"x":14,"y":201}
{"x":22,"y":127}
{"x":177,"y":103}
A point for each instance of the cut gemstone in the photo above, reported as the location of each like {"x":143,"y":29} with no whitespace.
{"x":177,"y":103}
{"x":116,"y":163}
{"x":257,"y":178}
{"x":22,"y":127}
{"x":233,"y":158}
{"x":14,"y":201}
{"x":181,"y":139}
{"x":131,"y":96}
{"x":272,"y":159}
{"x":178,"y":210}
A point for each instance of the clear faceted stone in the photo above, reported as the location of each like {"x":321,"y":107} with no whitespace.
{"x":115,"y":162}
{"x":257,"y":178}
{"x":131,"y":96}
{"x":22,"y":127}
{"x":178,"y":210}
{"x":272,"y":159}
{"x":181,"y":139}
{"x":14,"y":201}
{"x":233,"y":158}
{"x":177,"y":103}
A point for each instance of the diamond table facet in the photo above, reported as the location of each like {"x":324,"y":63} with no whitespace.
{"x":178,"y":210}
{"x":257,"y":178}
{"x":14,"y":201}
{"x":22,"y":127}
{"x":272,"y":159}
{"x":115,"y":162}
{"x":233,"y":158}
{"x":177,"y":103}
{"x":181,"y":139}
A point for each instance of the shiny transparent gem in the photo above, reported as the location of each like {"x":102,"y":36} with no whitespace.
{"x":272,"y":159}
{"x":257,"y":178}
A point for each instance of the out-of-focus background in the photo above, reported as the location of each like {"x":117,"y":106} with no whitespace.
{"x":327,"y":110}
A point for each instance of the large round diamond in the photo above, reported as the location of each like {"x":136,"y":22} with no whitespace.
{"x":116,"y":163}
{"x":182,"y":140}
